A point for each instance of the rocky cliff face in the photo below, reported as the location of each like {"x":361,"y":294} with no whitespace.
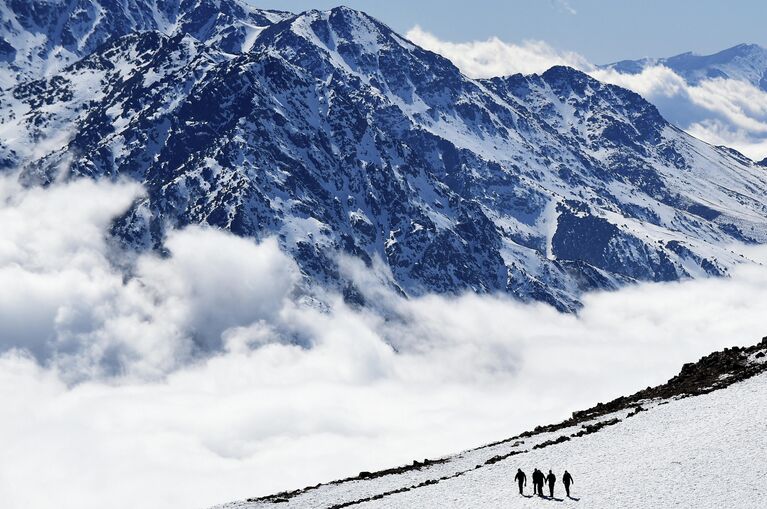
{"x":335,"y":134}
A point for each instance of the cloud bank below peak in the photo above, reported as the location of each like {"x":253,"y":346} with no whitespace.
{"x":202,"y":376}
{"x":720,"y":111}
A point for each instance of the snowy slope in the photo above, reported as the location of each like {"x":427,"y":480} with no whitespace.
{"x":336,"y":135}
{"x":40,"y":37}
{"x":697,"y":442}
{"x":744,"y":62}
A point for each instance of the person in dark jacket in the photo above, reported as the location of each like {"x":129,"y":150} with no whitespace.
{"x":567,"y":479}
{"x":537,"y":482}
{"x":551,"y":479}
{"x":521,"y":479}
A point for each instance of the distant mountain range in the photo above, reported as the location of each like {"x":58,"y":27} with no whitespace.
{"x":716,"y":115}
{"x":744,"y":62}
{"x":336,"y":135}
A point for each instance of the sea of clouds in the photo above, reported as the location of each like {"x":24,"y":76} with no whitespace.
{"x":203,"y":376}
{"x":719,"y":111}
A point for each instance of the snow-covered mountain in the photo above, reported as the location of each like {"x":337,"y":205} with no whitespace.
{"x":335,"y":134}
{"x":40,"y":37}
{"x":744,"y":62}
{"x":696,"y":441}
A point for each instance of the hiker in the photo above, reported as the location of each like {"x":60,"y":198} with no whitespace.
{"x":521,"y":479}
{"x":551,"y":478}
{"x":568,"y":480}
{"x":537,"y":482}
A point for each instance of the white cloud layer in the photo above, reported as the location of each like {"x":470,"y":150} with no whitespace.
{"x":494,"y":57}
{"x":201,"y":378}
{"x":719,"y":111}
{"x":67,"y":304}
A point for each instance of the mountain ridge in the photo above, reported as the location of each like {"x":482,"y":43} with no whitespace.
{"x":336,"y":135}
{"x":40,"y":38}
{"x":745,"y":62}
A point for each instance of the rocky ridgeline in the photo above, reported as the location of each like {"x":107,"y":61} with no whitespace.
{"x":712,"y":372}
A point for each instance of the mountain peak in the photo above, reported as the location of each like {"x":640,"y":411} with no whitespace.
{"x":344,"y":26}
{"x":354,"y":43}
{"x":721,"y":57}
{"x":747,"y":46}
{"x":565,"y":71}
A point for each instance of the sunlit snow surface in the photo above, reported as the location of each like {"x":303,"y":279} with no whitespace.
{"x":704,"y":451}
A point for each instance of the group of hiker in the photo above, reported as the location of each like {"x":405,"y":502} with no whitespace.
{"x":539,"y":479}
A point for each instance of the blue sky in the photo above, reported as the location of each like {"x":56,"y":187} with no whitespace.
{"x":601,"y":30}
